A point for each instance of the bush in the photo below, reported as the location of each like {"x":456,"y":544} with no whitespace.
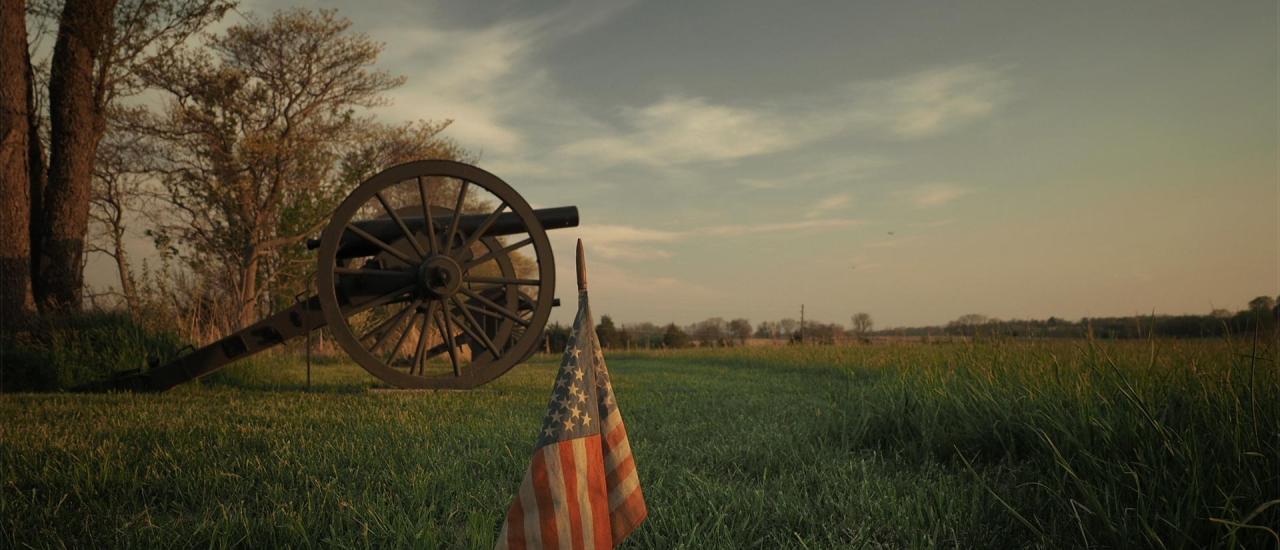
{"x":59,"y":353}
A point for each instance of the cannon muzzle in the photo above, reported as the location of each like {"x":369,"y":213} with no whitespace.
{"x":386,"y":229}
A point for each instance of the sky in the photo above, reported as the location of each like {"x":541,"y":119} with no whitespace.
{"x":913,"y":160}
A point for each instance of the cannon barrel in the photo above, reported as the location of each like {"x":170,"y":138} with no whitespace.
{"x":386,"y":229}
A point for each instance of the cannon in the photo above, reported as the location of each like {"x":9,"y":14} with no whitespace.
{"x":431,"y":274}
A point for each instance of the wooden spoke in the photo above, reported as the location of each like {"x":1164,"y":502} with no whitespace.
{"x":422,"y":340}
{"x":476,"y":330}
{"x":403,"y":228}
{"x":395,"y":350}
{"x":484,"y":226}
{"x":382,"y":338}
{"x":457,"y":215}
{"x":502,"y":281}
{"x":378,"y":242}
{"x":426,"y":216}
{"x":453,"y":344}
{"x":492,"y":253}
{"x":389,"y":320}
{"x":496,"y":308}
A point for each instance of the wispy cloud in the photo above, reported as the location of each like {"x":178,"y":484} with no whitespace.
{"x":808,"y":225}
{"x":625,"y":242}
{"x":935,"y":101}
{"x":628,"y":242}
{"x":482,"y":78}
{"x":685,"y":129}
{"x":935,"y":194}
{"x":827,"y":204}
{"x":679,"y":129}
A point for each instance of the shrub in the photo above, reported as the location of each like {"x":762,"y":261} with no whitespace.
{"x":58,"y":353}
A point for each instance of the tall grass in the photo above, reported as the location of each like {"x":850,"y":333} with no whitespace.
{"x":1162,"y":444}
{"x":60,"y":352}
{"x":1158,"y":443}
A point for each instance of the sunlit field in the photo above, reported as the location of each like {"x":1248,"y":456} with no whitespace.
{"x":994,"y":444}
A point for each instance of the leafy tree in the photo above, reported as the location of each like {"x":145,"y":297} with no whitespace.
{"x":768,"y":329}
{"x":709,"y":332}
{"x":740,"y":329}
{"x":673,"y":337}
{"x":607,"y":333}
{"x":1262,"y":305}
{"x":862,"y":324}
{"x":788,"y":326}
{"x":251,"y":137}
{"x":646,"y":335}
{"x":557,"y":337}
{"x":101,"y":49}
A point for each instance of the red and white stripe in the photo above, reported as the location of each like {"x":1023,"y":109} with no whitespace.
{"x":563,"y":500}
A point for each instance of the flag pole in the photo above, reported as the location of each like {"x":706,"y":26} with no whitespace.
{"x":582,"y":268}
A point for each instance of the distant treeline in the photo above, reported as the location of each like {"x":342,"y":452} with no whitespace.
{"x":1261,"y":315}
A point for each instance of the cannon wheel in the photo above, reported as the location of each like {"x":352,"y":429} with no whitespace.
{"x":424,"y":287}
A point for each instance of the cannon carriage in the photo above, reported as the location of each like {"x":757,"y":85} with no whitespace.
{"x":430,"y":274}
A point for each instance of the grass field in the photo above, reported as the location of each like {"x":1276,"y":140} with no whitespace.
{"x":996,"y":444}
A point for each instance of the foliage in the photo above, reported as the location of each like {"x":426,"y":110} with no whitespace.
{"x":739,"y":329}
{"x":674,"y":338}
{"x":608,"y":333}
{"x":710,"y":332}
{"x":993,"y":445}
{"x":61,"y":352}
{"x":862,"y":324}
{"x":262,"y":136}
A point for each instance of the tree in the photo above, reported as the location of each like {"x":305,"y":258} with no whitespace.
{"x":251,"y":137}
{"x":1262,"y":305}
{"x":673,"y":337}
{"x":788,"y":326}
{"x":768,"y":329}
{"x":647,"y":335}
{"x":76,"y":122}
{"x":118,"y":179}
{"x":862,"y":324}
{"x":709,"y":332}
{"x":740,"y":329}
{"x":101,"y":44}
{"x":606,"y":332}
{"x":16,"y":299}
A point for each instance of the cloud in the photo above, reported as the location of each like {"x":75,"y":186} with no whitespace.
{"x":824,"y":171}
{"x":935,"y":194}
{"x":683,"y":130}
{"x":679,"y":129}
{"x":482,"y":78}
{"x":935,"y":101}
{"x":739,"y":230}
{"x":625,"y":242}
{"x":834,"y":202}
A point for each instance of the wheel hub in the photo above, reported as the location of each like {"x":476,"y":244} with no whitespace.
{"x":439,"y":276}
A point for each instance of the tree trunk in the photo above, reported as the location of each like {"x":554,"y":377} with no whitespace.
{"x":122,"y":265}
{"x":16,"y":303}
{"x":76,"y":124}
{"x":36,"y":168}
{"x":247,"y":313}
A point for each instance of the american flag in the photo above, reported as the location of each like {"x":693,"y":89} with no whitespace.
{"x":581,"y":489}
